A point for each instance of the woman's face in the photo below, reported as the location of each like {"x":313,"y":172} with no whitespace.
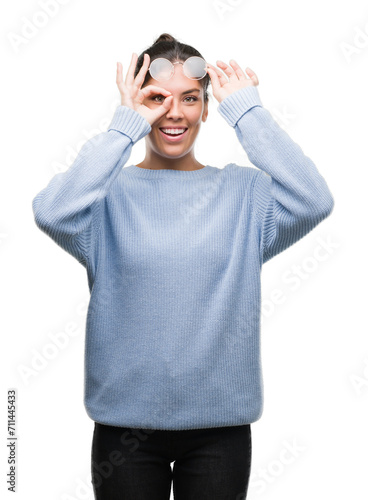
{"x":188,"y":110}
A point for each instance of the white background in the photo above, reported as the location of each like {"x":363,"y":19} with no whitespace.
{"x":59,"y":86}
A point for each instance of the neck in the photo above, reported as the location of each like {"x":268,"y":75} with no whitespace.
{"x":159,"y":162}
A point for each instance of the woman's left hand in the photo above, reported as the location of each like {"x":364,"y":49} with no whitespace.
{"x":222,"y":87}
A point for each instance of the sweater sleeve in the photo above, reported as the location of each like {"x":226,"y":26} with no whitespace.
{"x":290,"y":196}
{"x":68,"y":208}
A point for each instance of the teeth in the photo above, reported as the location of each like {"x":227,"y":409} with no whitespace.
{"x":173,"y":131}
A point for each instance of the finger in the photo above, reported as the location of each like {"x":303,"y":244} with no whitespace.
{"x":119,"y":73}
{"x":139,"y":79}
{"x":150,"y":89}
{"x":168,"y":101}
{"x":238,"y":71}
{"x":164,"y":108}
{"x":228,"y":70}
{"x":252,"y":75}
{"x":218,"y":72}
{"x":220,"y":75}
{"x":216,"y":84}
{"x":119,"y":76}
{"x":130,"y":74}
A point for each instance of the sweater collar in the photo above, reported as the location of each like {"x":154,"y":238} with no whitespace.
{"x":166,"y":173}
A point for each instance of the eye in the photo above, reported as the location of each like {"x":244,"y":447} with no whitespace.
{"x":161,"y":96}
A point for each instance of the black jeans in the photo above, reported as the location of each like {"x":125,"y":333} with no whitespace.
{"x":134,"y":464}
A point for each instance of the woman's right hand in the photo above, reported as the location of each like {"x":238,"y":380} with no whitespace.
{"x":133,"y":96}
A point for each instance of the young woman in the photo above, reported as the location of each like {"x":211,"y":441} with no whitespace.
{"x":173,"y":251}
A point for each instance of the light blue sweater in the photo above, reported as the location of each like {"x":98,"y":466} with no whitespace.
{"x":174,"y":261}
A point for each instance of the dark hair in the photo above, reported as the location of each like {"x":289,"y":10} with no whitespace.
{"x":169,"y":47}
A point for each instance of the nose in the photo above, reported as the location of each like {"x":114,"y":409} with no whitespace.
{"x":175,"y":110}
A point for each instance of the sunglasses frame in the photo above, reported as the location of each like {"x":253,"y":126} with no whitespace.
{"x":173,"y":68}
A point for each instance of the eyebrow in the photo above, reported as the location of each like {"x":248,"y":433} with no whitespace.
{"x":191,"y":90}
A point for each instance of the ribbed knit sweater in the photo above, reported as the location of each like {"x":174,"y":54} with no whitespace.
{"x":173,"y":260}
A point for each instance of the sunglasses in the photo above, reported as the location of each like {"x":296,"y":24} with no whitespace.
{"x":162,"y":69}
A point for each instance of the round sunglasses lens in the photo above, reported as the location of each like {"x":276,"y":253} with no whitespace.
{"x":161,"y":69}
{"x":195,"y":68}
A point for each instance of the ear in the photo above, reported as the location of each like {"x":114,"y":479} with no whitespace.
{"x":205,"y":112}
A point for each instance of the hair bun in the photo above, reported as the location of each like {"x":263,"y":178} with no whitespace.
{"x":165,"y":37}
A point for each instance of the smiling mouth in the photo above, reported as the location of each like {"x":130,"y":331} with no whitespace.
{"x":174,"y":135}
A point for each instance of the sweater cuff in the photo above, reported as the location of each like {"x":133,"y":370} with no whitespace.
{"x":235,"y":105}
{"x":129,"y":122}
